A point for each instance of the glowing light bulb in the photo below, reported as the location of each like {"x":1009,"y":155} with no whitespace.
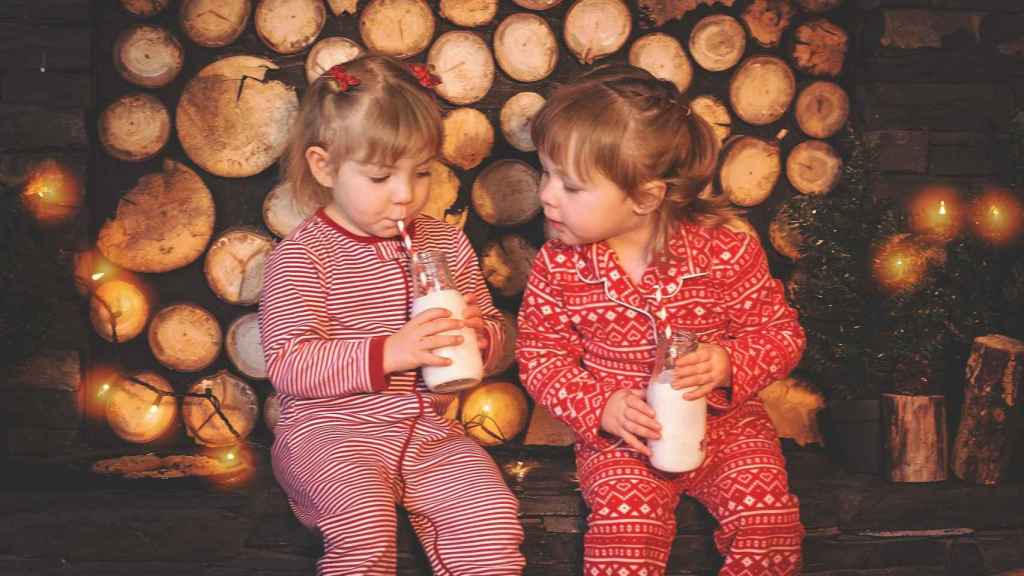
{"x":103,"y":390}
{"x":942,"y":207}
{"x":97,"y":276}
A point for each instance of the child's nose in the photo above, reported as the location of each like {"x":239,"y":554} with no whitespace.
{"x":547,"y":196}
{"x":402,"y":192}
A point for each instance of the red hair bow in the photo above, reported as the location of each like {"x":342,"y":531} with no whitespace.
{"x":422,"y":73}
{"x":342,"y":77}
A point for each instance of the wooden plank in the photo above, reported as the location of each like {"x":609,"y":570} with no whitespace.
{"x":977,"y":107}
{"x":50,"y":89}
{"x":901,"y":150}
{"x":65,"y":11}
{"x":960,"y":154}
{"x":28,"y":128}
{"x":57,"y":48}
{"x":52,"y":369}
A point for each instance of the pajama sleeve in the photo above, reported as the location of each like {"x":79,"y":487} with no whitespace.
{"x":549,"y":351}
{"x":470,"y":280}
{"x":301,"y":360}
{"x":763,"y":338}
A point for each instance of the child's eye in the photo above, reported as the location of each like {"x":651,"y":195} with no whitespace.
{"x":423,"y":174}
{"x":379,"y":179}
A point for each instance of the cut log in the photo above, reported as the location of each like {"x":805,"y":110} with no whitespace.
{"x":469,"y":13}
{"x":662,"y":56}
{"x":148,"y":56}
{"x":339,"y":7}
{"x":134,"y":127}
{"x":750,"y":170}
{"x":399,"y":28}
{"x":136,"y":413}
{"x":214,"y":23}
{"x":991,"y":420}
{"x":546,"y":430}
{"x":271,"y":411}
{"x":328,"y":52}
{"x":507,"y":358}
{"x":596,"y":28}
{"x":762,"y":89}
{"x":813,"y":167}
{"x":494,"y":412}
{"x":767,"y":20}
{"x":444,"y":193}
{"x":282,"y":212}
{"x":234,"y":265}
{"x":145,"y":8}
{"x":468,"y":137}
{"x":464,"y":63}
{"x":506,"y":193}
{"x":715,"y":113}
{"x":244,"y":347}
{"x":517,"y":119}
{"x":658,"y":12}
{"x":822,"y":109}
{"x":231,"y":121}
{"x":784,"y":236}
{"x":818,"y":6}
{"x":506,"y":263}
{"x":185,"y":337}
{"x":237,"y":401}
{"x":819,"y":48}
{"x":118,"y":311}
{"x":162,"y":224}
{"x":289,"y":26}
{"x":537,"y":4}
{"x":917,"y":444}
{"x":793,"y":407}
{"x":717,"y":42}
{"x":525,"y":47}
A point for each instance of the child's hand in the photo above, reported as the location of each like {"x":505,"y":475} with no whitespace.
{"x":707,"y":368}
{"x":628,"y":416}
{"x":410,"y":347}
{"x":473,"y":318}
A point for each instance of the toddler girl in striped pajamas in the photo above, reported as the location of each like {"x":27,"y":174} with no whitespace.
{"x":359,"y":433}
{"x":637,"y":249}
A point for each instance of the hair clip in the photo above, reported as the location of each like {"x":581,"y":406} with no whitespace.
{"x":423,"y":74}
{"x":342,"y":77}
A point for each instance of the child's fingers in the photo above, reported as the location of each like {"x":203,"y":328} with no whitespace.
{"x":636,"y":401}
{"x":439,"y":341}
{"x":699,"y":392}
{"x":475,"y":322}
{"x":428,"y":359}
{"x":641,"y":425}
{"x":482,"y":341}
{"x":635,"y":443}
{"x":471,"y":299}
{"x":438,"y":326}
{"x":429,"y":315}
{"x":694,"y":370}
{"x":701,"y":355}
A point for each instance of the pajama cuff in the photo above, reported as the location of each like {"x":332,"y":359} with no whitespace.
{"x":378,"y":378}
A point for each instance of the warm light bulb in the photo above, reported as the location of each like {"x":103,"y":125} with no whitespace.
{"x":103,"y":390}
{"x":97,"y":276}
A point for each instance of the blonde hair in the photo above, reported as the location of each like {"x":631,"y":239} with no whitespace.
{"x":632,"y":128}
{"x":386,"y":117}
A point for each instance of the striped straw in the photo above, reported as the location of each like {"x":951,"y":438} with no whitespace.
{"x":405,"y":236}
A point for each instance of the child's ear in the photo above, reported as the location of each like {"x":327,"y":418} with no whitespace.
{"x":649,"y":197}
{"x":319,"y":162}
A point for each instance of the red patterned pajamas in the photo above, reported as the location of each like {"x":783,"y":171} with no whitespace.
{"x":353,"y":442}
{"x":586,"y":330}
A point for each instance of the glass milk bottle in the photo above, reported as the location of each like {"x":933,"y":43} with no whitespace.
{"x":681,"y":445}
{"x":433,"y":288}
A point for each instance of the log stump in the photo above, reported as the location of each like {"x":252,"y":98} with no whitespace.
{"x":244,"y":347}
{"x":134,"y":127}
{"x":328,"y":52}
{"x":238,"y":403}
{"x":282,"y":212}
{"x":214,"y":23}
{"x":118,"y":311}
{"x":537,"y":4}
{"x":234,"y":265}
{"x":662,"y":56}
{"x":917,"y":444}
{"x":818,"y":6}
{"x":506,"y":264}
{"x":469,"y":13}
{"x":136,"y":413}
{"x":162,"y":224}
{"x":468,"y":138}
{"x":339,"y":7}
{"x":717,"y":42}
{"x":506,"y":193}
{"x":594,"y":29}
{"x":444,"y":193}
{"x":399,"y":28}
{"x":185,"y":337}
{"x":715,"y":113}
{"x":517,"y":118}
{"x":813,"y":167}
{"x":822,"y":109}
{"x":990,"y":423}
{"x":762,"y":89}
{"x":464,"y":63}
{"x":148,"y":56}
{"x":289,"y":26}
{"x":145,"y":8}
{"x":525,"y":47}
{"x":819,"y":48}
{"x":767,"y":20}
{"x":750,"y":169}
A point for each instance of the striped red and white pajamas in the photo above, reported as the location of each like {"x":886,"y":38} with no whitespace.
{"x":352,"y":442}
{"x":586,"y":330}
